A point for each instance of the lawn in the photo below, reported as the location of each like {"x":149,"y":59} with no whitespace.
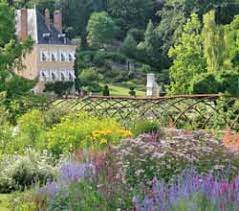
{"x":116,"y":90}
{"x":4,"y":202}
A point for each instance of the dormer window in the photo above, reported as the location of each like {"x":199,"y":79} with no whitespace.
{"x":46,"y":36}
{"x":62,"y":37}
{"x":44,"y":56}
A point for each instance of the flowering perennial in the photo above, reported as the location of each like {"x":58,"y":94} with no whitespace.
{"x":193,"y":191}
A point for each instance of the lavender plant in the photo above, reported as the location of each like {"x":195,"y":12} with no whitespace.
{"x":191,"y":191}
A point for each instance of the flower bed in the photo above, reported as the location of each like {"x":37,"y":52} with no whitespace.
{"x":143,"y":158}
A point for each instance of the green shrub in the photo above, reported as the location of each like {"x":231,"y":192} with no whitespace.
{"x":84,"y":131}
{"x":32,"y":128}
{"x":20,"y":172}
{"x":81,"y":196}
{"x":90,"y":79}
{"x":60,"y":88}
{"x":145,"y":126}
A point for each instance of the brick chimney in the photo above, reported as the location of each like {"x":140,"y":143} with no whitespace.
{"x":47,"y":18}
{"x":23,"y":24}
{"x":58,"y":20}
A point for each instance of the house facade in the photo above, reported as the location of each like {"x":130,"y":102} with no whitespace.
{"x":53,"y":54}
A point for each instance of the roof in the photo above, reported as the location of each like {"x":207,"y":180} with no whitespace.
{"x":43,"y":29}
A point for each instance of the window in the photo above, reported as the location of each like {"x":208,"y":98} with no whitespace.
{"x":70,"y":58}
{"x":53,"y":76}
{"x":71,"y":75}
{"x":44,"y":56}
{"x":54,"y":56}
{"x":63,"y":56}
{"x":44,"y":75}
{"x":62,"y":77}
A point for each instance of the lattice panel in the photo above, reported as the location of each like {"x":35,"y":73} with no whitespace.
{"x":199,"y":111}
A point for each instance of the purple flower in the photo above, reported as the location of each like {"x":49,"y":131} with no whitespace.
{"x":219,"y":194}
{"x":68,"y":174}
{"x":72,"y":172}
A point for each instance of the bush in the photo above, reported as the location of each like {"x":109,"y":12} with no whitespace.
{"x":83,"y":131}
{"x":191,"y":191}
{"x":31,"y":128}
{"x":142,"y":159}
{"x":20,"y":172}
{"x":145,"y":126}
{"x":90,"y":79}
{"x":212,"y":83}
{"x":60,"y":88}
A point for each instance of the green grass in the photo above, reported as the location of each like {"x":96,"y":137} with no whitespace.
{"x":116,"y":90}
{"x":4,"y":202}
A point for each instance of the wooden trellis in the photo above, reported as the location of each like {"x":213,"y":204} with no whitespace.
{"x":200,"y":111}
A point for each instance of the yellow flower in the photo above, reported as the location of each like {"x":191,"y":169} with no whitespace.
{"x":103,"y":141}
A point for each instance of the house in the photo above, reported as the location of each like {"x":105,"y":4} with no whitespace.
{"x":53,"y":54}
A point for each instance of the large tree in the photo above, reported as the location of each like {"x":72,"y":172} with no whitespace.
{"x":188,"y":57}
{"x":131,"y":13}
{"x":101,"y":29}
{"x":11,"y":52}
{"x":214,"y":44}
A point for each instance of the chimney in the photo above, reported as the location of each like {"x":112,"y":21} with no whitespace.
{"x":47,"y":18}
{"x":23,"y":24}
{"x":58,"y":20}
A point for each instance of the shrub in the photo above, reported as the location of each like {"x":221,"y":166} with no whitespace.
{"x":142,"y":159}
{"x":20,"y":172}
{"x":83,"y":131}
{"x":60,"y":88}
{"x":89,"y":79}
{"x":145,"y":126}
{"x":6,"y":139}
{"x":31,"y":128}
{"x":191,"y":191}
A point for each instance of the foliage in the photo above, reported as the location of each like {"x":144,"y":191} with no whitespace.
{"x":89,"y":80}
{"x":131,"y":14}
{"x":129,"y":47}
{"x":31,"y":128}
{"x":188,"y":58}
{"x":144,"y":126}
{"x":144,"y":158}
{"x":213,"y":41}
{"x":60,"y":88}
{"x":74,"y":24}
{"x":149,"y":54}
{"x":83,"y":131}
{"x":20,"y":172}
{"x":191,"y":191}
{"x":101,"y":29}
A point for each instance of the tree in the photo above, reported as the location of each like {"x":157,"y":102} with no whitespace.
{"x":101,"y":29}
{"x":188,"y":57}
{"x":60,"y":88}
{"x":150,"y":48}
{"x":89,"y":80}
{"x":232,"y":42}
{"x":14,"y":88}
{"x":213,"y":43}
{"x":11,"y":52}
{"x":174,"y":14}
{"x":76,"y":14}
{"x":131,"y":14}
{"x":129,"y":47}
